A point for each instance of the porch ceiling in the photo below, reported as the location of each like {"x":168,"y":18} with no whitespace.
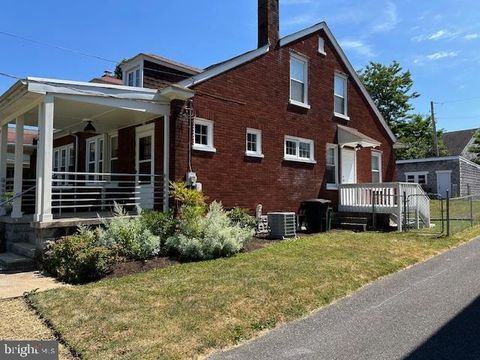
{"x":109,"y":107}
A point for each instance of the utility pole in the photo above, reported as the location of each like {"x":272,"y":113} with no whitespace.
{"x":434,"y":125}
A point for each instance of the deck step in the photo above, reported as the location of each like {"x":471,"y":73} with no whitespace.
{"x":357,"y":227}
{"x":10,"y":262}
{"x":350,"y":219}
{"x":22,"y":248}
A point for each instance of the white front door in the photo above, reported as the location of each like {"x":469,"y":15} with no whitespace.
{"x":444,"y":183}
{"x":349,"y":166}
{"x":144,"y":150}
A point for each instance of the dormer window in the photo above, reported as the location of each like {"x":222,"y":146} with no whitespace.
{"x":133,"y":78}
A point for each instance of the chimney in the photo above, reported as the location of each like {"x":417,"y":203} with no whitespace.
{"x":268,"y":22}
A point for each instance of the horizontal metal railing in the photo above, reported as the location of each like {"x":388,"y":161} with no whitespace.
{"x":75,"y":191}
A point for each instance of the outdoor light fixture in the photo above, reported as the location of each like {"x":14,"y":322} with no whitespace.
{"x":89,"y":128}
{"x":359,"y":147}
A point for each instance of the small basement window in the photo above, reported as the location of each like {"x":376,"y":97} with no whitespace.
{"x":203,"y":135}
{"x":298,"y":149}
{"x":254,"y":143}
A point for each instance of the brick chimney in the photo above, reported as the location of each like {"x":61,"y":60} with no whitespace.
{"x":268,"y":22}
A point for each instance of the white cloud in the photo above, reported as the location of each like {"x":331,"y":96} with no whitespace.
{"x":389,"y":19}
{"x":358,"y":46}
{"x":299,"y":20}
{"x":441,"y":55}
{"x":295,"y":2}
{"x":442,"y":34}
{"x":472,"y":36}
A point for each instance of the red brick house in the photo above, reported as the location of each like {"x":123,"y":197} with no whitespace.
{"x":286,"y":122}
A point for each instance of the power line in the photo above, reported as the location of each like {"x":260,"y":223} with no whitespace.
{"x":10,"y":76}
{"x":79,"y":52}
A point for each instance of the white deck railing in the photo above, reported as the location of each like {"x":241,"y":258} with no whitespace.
{"x":399,"y":199}
{"x":83,"y":192}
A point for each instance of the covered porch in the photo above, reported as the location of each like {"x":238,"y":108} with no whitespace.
{"x":97,"y":145}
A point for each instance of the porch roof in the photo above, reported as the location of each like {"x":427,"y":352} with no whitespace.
{"x":352,"y":137}
{"x":110,"y":107}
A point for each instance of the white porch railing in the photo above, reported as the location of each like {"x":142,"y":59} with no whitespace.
{"x":399,"y":199}
{"x":83,"y":192}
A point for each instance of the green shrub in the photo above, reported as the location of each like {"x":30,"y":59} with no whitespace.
{"x":208,"y":237}
{"x":159,"y":223}
{"x":191,"y":201}
{"x":242,"y":218}
{"x":77,"y":259}
{"x":128,"y":237}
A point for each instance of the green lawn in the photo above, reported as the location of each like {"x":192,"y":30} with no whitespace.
{"x":459,"y":214}
{"x":192,"y":309}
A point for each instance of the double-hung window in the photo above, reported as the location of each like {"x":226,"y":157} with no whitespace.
{"x":298,"y":149}
{"x":94,"y":158}
{"x":64,"y":160}
{"x":254,"y":143}
{"x":376,"y":167}
{"x":332,"y":167}
{"x":134,"y":78}
{"x":203,"y":135}
{"x":299,"y":80}
{"x":341,"y":96}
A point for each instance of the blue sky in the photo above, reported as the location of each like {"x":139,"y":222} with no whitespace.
{"x":439,"y":41}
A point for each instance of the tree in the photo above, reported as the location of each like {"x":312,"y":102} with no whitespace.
{"x":475,"y":148}
{"x":391,"y":89}
{"x":417,"y":135}
{"x":118,"y":70}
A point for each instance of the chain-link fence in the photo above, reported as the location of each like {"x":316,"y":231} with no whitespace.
{"x":452,"y":215}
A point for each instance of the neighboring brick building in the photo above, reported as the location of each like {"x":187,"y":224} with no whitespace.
{"x":281,"y":124}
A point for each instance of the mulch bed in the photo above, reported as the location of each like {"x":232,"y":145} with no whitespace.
{"x":132,"y":267}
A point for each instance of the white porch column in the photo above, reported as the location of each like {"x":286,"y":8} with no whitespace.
{"x":166,"y":162}
{"x":3,"y":164}
{"x":43,"y":195}
{"x":18,"y":170}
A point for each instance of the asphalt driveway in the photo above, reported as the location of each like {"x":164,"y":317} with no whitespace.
{"x":430,"y":311}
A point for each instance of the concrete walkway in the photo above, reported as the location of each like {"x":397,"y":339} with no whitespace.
{"x":14,"y":285}
{"x":430,"y":311}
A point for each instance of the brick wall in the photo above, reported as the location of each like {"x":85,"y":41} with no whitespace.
{"x":256,"y":95}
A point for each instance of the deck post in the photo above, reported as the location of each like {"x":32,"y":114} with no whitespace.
{"x":3,"y":164}
{"x":43,"y":195}
{"x":166,"y":162}
{"x":18,"y":170}
{"x":399,"y":208}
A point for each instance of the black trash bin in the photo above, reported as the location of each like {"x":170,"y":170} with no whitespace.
{"x":318,"y":215}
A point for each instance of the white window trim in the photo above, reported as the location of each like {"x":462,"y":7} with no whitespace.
{"x":416,"y":174}
{"x":345,"y":79}
{"x":58,"y":150}
{"x":297,"y":158}
{"x":321,"y":46}
{"x":135,"y":66}
{"x":258,"y":153}
{"x":379,"y":155}
{"x":331,"y":186}
{"x":303,"y":59}
{"x":87,"y":153}
{"x":109,"y":151}
{"x":201,"y":147}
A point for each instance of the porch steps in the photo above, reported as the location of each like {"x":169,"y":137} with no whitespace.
{"x":350,"y":222}
{"x":10,"y":262}
{"x":22,"y":248}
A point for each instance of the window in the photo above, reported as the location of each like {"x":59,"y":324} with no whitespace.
{"x":114,"y":154}
{"x":64,"y":160}
{"x":94,"y":163}
{"x":134,"y":78}
{"x":321,"y":46}
{"x":254,"y":143}
{"x":332,"y":166}
{"x":417,"y":177}
{"x":299,"y":81}
{"x":203,"y":135}
{"x":341,"y":96}
{"x":298,"y":149}
{"x":376,"y":167}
